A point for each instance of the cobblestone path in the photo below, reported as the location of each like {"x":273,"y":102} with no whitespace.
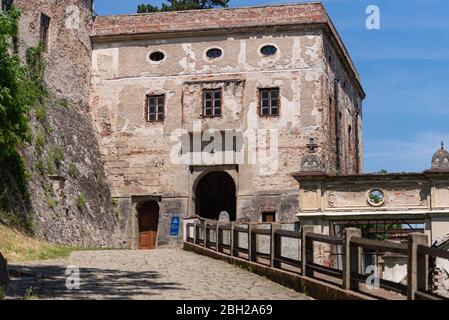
{"x":159,"y":274}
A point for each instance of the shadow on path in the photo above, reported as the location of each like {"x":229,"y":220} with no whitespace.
{"x":49,"y":282}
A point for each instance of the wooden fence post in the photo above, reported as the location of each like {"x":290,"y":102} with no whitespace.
{"x":351,"y":259}
{"x":276,"y":245}
{"x":195,"y":232}
{"x":417,"y":268}
{"x":218,"y":237}
{"x":233,"y":238}
{"x":306,"y":251}
{"x":252,"y":243}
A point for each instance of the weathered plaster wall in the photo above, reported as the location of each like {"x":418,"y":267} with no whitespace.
{"x":137,"y":153}
{"x":342,"y":116}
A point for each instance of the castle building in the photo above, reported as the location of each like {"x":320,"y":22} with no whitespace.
{"x":205,"y":111}
{"x":195,"y":113}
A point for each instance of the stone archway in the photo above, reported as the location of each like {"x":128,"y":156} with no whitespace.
{"x":215,"y":192}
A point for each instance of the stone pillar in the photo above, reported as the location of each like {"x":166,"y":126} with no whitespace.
{"x":417,"y":273}
{"x":352,"y":259}
{"x":306,"y":251}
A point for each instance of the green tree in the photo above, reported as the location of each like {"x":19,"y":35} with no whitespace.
{"x":176,"y":5}
{"x":18,"y":88}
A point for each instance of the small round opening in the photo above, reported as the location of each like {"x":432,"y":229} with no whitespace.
{"x":268,"y":50}
{"x":214,"y":53}
{"x":376,"y":197}
{"x":157,"y":56}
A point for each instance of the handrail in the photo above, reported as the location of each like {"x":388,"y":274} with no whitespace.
{"x":288,"y":233}
{"x":325,"y":239}
{"x":433,"y":252}
{"x":352,"y":244}
{"x":380,"y":245}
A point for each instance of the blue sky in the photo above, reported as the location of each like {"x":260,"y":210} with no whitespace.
{"x":404,"y":68}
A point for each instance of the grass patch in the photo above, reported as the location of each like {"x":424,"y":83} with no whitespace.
{"x":17,"y":247}
{"x":81,"y":201}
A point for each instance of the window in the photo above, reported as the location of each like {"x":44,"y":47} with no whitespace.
{"x":155,"y":108}
{"x":269,"y":102}
{"x":45,"y":26}
{"x":214,"y":53}
{"x":268,"y":216}
{"x":212,"y":103}
{"x":6,"y":4}
{"x":157,"y":56}
{"x":268,"y":50}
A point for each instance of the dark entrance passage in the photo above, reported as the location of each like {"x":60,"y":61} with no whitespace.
{"x":215,"y":193}
{"x":148,"y":223}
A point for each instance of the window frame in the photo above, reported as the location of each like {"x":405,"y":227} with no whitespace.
{"x":270,"y":99}
{"x":157,"y":113}
{"x":267,"y":214}
{"x":44,"y":30}
{"x":213,"y":107}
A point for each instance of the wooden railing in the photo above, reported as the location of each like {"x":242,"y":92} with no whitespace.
{"x":350,"y":277}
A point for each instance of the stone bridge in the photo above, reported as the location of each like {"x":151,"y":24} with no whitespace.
{"x":162,"y":274}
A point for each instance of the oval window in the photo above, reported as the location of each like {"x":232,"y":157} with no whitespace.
{"x":268,"y":50}
{"x":157,"y":56}
{"x":214,"y":53}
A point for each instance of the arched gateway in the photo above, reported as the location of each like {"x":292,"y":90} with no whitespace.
{"x":215,"y":193}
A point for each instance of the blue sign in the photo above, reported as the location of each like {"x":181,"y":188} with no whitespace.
{"x":174,"y":227}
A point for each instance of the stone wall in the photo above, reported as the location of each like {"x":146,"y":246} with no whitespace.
{"x":69,"y":191}
{"x":4,"y":277}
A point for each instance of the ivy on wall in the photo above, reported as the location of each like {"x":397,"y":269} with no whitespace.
{"x":21,"y":88}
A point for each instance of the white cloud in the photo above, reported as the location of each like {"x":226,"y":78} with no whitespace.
{"x":411,"y":155}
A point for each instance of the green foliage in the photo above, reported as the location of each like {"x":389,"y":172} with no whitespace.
{"x":2,"y":293}
{"x":57,"y":154}
{"x":81,"y":201}
{"x":39,"y":142}
{"x":51,"y":169}
{"x":21,"y":222}
{"x":63,"y":103}
{"x":51,"y":203}
{"x":20,"y":89}
{"x":39,"y":167}
{"x":176,"y":5}
{"x":99,"y":177}
{"x":73,"y":171}
{"x":115,"y":202}
{"x":41,"y":114}
{"x":13,"y":164}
